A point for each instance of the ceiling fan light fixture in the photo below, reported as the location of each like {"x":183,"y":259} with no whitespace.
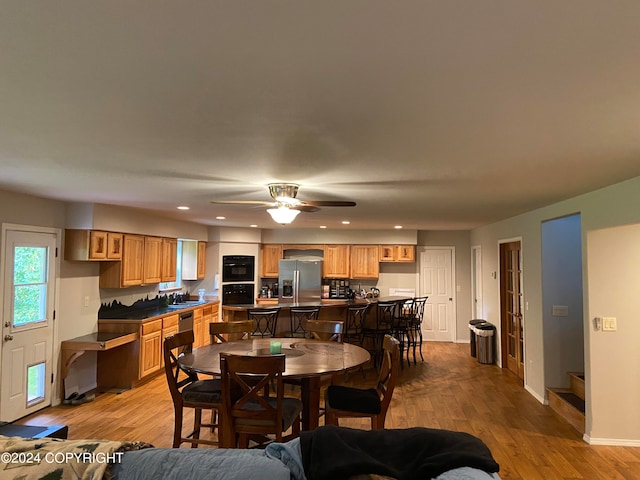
{"x":283,"y":215}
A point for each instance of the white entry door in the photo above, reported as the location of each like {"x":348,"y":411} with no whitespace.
{"x":436,"y":282}
{"x":27,"y":322}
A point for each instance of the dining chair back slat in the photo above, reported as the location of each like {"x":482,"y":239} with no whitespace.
{"x":326,"y":330}
{"x":230,"y":331}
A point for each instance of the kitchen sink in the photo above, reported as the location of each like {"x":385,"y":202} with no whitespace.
{"x":187,"y":304}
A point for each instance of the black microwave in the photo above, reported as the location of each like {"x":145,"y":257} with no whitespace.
{"x":238,"y":268}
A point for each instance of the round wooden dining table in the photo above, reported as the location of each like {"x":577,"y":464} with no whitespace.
{"x":305,"y":359}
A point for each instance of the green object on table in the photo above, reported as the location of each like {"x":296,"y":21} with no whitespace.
{"x":275,"y":346}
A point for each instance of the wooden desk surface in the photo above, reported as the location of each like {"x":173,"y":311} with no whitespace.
{"x":99,"y":341}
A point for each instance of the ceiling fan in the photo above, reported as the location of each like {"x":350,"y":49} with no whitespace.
{"x":285,"y":204}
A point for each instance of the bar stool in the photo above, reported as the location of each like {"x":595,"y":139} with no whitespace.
{"x":265,"y":321}
{"x":415,"y":327}
{"x":354,"y":323}
{"x":373,"y":336}
{"x":299,"y":316}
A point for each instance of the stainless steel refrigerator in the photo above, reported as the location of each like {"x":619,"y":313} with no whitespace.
{"x":300,"y":281}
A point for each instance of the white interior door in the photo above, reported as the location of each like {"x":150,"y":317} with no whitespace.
{"x":27,"y":323}
{"x":436,"y":282}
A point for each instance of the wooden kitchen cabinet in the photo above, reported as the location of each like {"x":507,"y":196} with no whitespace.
{"x":397,"y":253}
{"x":194,"y":259}
{"x":364,"y":261}
{"x":169,"y":259}
{"x":207,"y":319}
{"x":152,"y":263}
{"x":169,"y":327}
{"x":141,"y":263}
{"x":270,"y":256}
{"x":198,"y":327}
{"x":92,"y":245}
{"x":202,"y":260}
{"x":336,"y":261}
{"x":127,"y":272}
{"x":150,"y":347}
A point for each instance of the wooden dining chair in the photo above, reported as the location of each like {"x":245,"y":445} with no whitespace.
{"x":265,"y":321}
{"x":326,"y":330}
{"x":187,"y":391}
{"x":249,"y":409}
{"x":230,"y":331}
{"x":342,"y":401}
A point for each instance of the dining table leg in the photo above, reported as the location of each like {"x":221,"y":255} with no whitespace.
{"x":310,"y":403}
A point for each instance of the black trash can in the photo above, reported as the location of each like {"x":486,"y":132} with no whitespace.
{"x":472,"y":335}
{"x":485,"y":335}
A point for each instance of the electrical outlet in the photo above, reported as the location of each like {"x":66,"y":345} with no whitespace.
{"x":86,"y":301}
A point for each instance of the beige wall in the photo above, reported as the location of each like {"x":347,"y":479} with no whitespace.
{"x":614,"y":282}
{"x":611,"y":206}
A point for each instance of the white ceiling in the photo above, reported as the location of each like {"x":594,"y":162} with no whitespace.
{"x":429,"y":114}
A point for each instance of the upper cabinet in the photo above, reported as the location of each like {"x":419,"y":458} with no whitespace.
{"x":129,"y":271}
{"x":152,"y":263}
{"x":336,"y":261}
{"x":169,"y":258}
{"x":141,"y":263}
{"x":397,"y":253}
{"x":193,"y":259}
{"x":270,"y":256}
{"x":364,"y":261}
{"x":202,"y":259}
{"x":90,"y":245}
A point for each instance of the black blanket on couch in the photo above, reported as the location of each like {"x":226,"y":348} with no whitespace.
{"x":333,"y":453}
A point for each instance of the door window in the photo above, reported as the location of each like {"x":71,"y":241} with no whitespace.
{"x":29,"y":285}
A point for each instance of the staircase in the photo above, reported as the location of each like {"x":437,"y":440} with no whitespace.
{"x":569,"y":402}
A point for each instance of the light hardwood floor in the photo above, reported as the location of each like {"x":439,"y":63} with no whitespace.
{"x":450,"y":390}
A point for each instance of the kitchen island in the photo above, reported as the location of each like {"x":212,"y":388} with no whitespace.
{"x":329,"y":309}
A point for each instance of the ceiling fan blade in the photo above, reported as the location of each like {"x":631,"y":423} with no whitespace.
{"x":305,"y":208}
{"x":243,"y":202}
{"x":328,"y":203}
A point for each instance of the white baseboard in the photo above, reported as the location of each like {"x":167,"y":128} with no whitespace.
{"x":535,"y":395}
{"x":617,"y":442}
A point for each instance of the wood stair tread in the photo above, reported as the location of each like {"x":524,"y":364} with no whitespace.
{"x":569,"y":406}
{"x":570,"y":397}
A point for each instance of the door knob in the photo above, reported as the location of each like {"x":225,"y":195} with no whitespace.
{"x":8,"y":337}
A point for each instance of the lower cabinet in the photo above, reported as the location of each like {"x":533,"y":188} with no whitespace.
{"x":198,"y":327}
{"x":150,"y":347}
{"x":134,"y":363}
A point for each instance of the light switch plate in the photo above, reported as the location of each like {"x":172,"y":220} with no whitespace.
{"x":609,"y":324}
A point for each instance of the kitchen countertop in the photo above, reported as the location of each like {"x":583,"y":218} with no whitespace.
{"x":145,"y":313}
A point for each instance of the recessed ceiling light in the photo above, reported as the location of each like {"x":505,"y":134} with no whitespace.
{"x":323,"y":226}
{"x":398,"y":227}
{"x":183,"y":207}
{"x":253,"y":226}
{"x":221,"y":218}
{"x":346,"y":222}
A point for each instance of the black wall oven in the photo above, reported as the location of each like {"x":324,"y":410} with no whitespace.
{"x":238,"y":294}
{"x":238,"y":268}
